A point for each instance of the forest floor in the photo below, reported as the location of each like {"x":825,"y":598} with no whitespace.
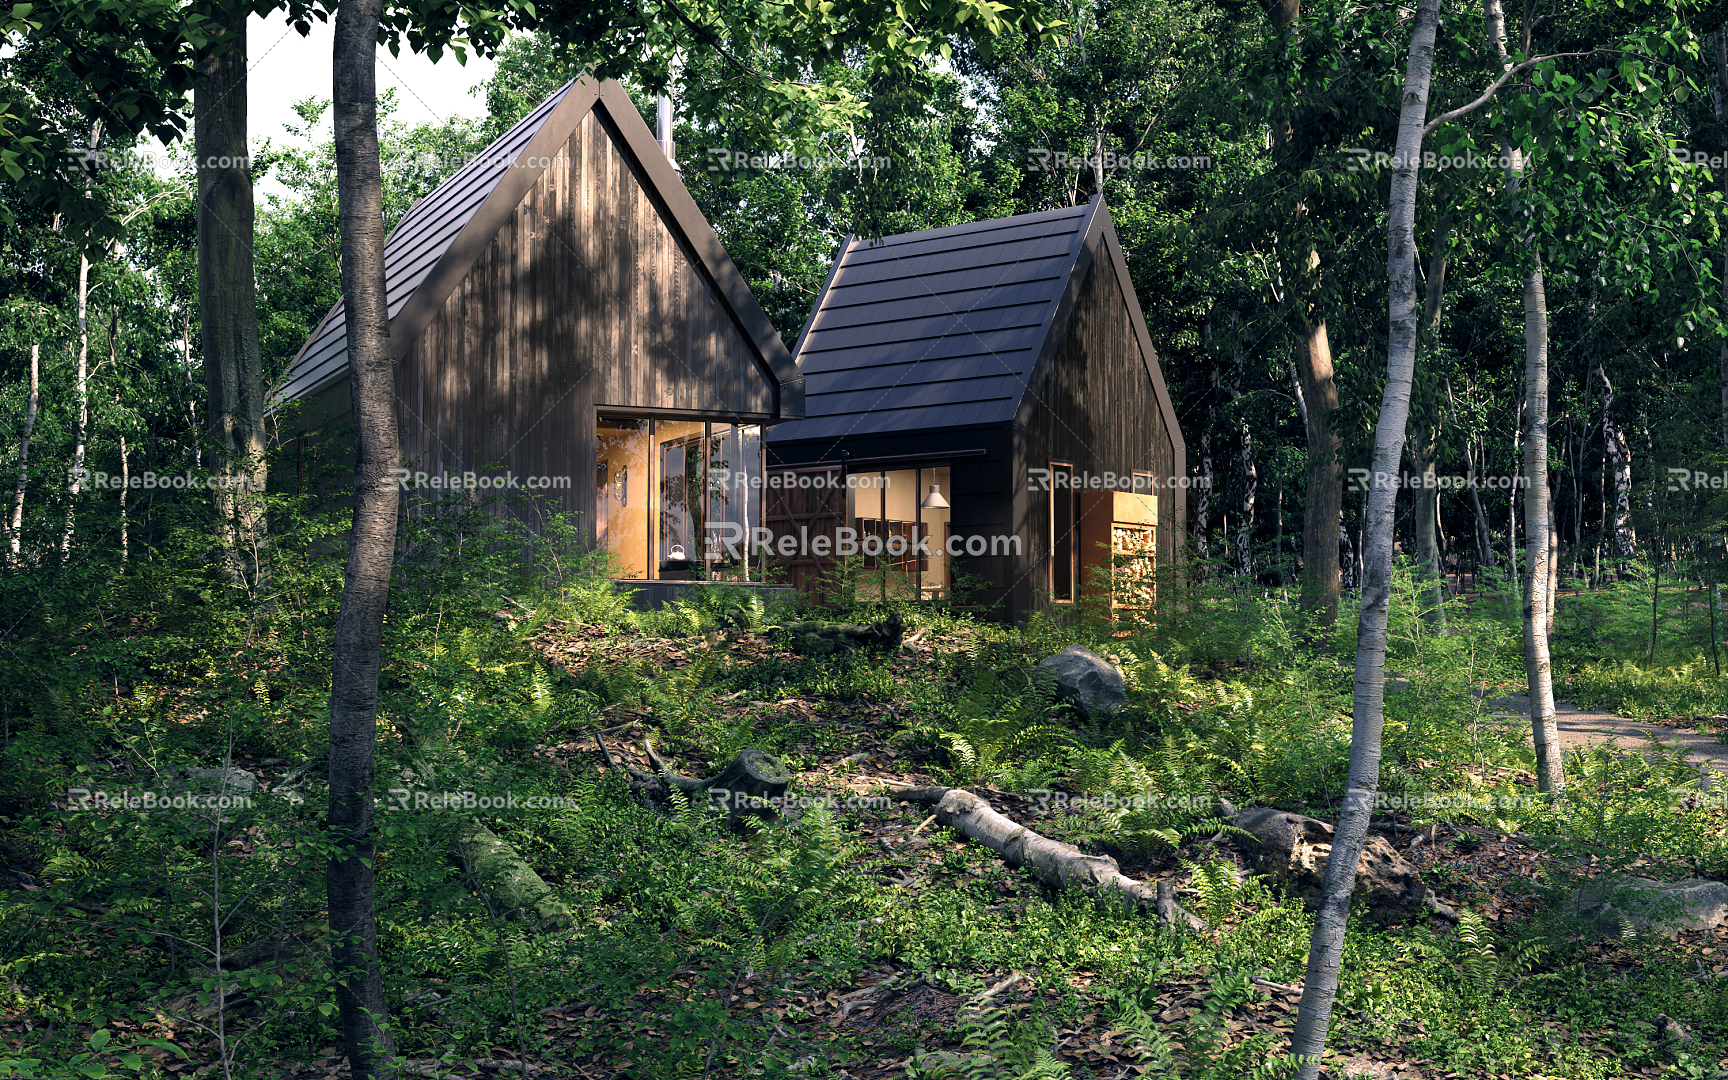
{"x":617,"y":993}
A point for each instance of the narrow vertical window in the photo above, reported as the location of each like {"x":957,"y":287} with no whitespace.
{"x":1064,"y":545}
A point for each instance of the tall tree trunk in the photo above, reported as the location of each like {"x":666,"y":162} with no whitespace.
{"x":1538,"y":524}
{"x":227,"y":298}
{"x":1323,"y":510}
{"x":1622,"y":539}
{"x":1250,"y":479}
{"x":125,"y":479}
{"x":1720,"y":40}
{"x":17,"y":529}
{"x":81,"y":434}
{"x":1326,"y":947}
{"x":371,"y":550}
{"x":1423,"y":444}
{"x":1484,"y":534}
{"x":1203,"y":508}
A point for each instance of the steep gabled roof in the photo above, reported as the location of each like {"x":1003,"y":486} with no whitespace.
{"x":939,"y":328}
{"x":432,"y":249}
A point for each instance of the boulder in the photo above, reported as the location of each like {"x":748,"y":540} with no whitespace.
{"x":217,"y":791}
{"x":1612,"y":904}
{"x":1291,"y":850}
{"x":1088,"y":681}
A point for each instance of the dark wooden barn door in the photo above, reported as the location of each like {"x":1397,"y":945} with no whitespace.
{"x":809,"y":502}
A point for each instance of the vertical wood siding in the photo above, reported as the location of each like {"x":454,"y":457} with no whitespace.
{"x":1093,"y":404}
{"x":584,"y":299}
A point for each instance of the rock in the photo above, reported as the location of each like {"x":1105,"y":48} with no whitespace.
{"x":1291,"y":850}
{"x":1082,"y":677}
{"x":1611,"y":904}
{"x":215,"y":791}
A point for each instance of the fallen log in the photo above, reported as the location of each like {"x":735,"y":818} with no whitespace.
{"x":826,"y":638}
{"x":513,"y":887}
{"x":1056,"y":864}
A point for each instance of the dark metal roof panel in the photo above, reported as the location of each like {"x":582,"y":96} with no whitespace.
{"x":419,"y":240}
{"x":938,"y":328}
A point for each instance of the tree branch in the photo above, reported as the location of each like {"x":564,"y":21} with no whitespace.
{"x":1466,"y":110}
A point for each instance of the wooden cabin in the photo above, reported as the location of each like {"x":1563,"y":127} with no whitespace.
{"x":566,"y":325}
{"x":983,"y":408}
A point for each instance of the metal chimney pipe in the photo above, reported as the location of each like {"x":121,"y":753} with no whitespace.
{"x":663,"y":118}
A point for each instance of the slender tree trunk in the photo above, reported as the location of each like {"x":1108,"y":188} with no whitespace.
{"x":17,"y":529}
{"x":1203,"y":508}
{"x":1622,"y":539}
{"x":1538,"y":524}
{"x":1326,"y":947}
{"x":1720,"y":40}
{"x":125,"y":479}
{"x":1317,"y":390}
{"x":1538,"y":604}
{"x":227,"y":298}
{"x":81,"y":434}
{"x":1425,"y":519}
{"x":192,"y":397}
{"x":1250,"y":480}
{"x":1323,"y":511}
{"x":359,"y":626}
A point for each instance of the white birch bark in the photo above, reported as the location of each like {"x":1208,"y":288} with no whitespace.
{"x":1320,"y":987}
{"x":17,"y":526}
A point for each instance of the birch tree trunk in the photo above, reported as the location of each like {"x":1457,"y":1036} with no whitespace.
{"x":1622,"y":539}
{"x":1320,"y":987}
{"x":227,"y":297}
{"x":1538,"y":525}
{"x":363,"y":1014}
{"x":1250,"y":479}
{"x":17,"y":526}
{"x":1426,"y":516}
{"x":81,"y":434}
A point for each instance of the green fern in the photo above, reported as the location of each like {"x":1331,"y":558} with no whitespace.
{"x":1220,"y":888}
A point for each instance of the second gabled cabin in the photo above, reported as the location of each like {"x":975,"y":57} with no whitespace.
{"x":983,"y":404}
{"x":564,"y":316}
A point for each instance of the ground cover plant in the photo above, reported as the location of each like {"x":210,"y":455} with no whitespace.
{"x":850,"y":936}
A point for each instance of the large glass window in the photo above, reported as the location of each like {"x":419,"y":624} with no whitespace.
{"x":902,"y":521}
{"x":677,"y":499}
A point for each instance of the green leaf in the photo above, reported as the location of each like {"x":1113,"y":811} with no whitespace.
{"x":100,"y":1038}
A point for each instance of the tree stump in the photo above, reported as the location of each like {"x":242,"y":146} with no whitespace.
{"x":753,"y":781}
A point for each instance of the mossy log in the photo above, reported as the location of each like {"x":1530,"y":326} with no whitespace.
{"x":510,"y":883}
{"x":513,"y":887}
{"x":827,"y":638}
{"x":1056,"y":864}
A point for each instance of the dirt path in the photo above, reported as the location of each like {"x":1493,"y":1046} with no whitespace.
{"x":1580,"y":729}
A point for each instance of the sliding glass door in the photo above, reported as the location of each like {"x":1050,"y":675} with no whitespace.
{"x":677,"y":499}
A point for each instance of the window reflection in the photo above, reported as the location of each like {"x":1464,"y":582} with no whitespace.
{"x":902,"y":531}
{"x":677,"y":499}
